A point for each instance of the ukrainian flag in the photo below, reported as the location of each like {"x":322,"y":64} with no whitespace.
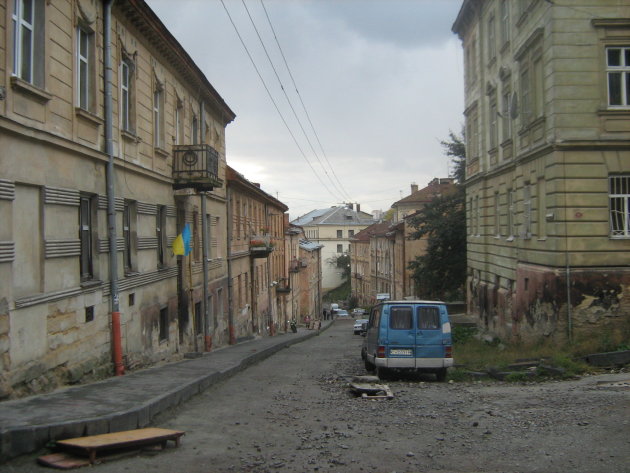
{"x":181,"y":244}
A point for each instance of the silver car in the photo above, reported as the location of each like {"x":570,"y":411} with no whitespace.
{"x":359,"y":326}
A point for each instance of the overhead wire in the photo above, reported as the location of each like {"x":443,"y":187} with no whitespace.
{"x":275,"y":36}
{"x":274,"y":102}
{"x":273,"y":67}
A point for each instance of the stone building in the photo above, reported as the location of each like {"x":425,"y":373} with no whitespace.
{"x":405,"y":209}
{"x":333,"y":228}
{"x":547,"y":107}
{"x":112,"y":140}
{"x":256,"y":253}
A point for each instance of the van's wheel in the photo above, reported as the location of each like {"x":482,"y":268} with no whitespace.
{"x":441,"y":375}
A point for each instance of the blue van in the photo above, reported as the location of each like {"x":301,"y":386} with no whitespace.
{"x":408,"y":335}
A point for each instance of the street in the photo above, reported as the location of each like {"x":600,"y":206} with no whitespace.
{"x":293,"y":412}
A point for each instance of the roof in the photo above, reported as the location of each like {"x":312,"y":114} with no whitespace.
{"x":334,"y":216}
{"x":310,"y":245}
{"x":233,"y":176}
{"x":437,"y":187}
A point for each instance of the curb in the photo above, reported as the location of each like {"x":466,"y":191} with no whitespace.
{"x":20,"y":440}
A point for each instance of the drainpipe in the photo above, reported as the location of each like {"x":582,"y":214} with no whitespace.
{"x":229,"y":267}
{"x":207,"y":336}
{"x":119,"y":368}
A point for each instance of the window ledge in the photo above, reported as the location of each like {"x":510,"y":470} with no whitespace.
{"x":130,"y":136}
{"x":129,"y":274}
{"x":90,"y":283}
{"x":161,"y":152}
{"x":37,"y":93}
{"x":510,"y":238}
{"x":614,"y":112}
{"x":88,"y":116}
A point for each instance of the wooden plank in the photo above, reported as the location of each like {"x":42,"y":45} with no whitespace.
{"x":62,"y":461}
{"x":119,"y":440}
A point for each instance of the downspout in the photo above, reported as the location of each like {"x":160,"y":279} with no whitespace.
{"x":229,"y":267}
{"x":207,"y":336}
{"x":119,"y":368}
{"x":272,"y":328}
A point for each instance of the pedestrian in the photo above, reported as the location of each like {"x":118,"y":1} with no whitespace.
{"x":325,"y":315}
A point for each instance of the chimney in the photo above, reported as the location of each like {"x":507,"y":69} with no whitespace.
{"x":350,"y":205}
{"x":358,"y":207}
{"x":414,"y":187}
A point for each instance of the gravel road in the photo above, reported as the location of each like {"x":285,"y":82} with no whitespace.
{"x":294,"y":413}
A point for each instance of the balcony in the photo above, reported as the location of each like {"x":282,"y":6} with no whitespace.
{"x":260,"y":246}
{"x":196,"y":166}
{"x":283,"y":286}
{"x":294,"y":266}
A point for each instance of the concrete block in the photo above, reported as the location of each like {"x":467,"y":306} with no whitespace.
{"x":67,"y":430}
{"x":125,"y":421}
{"x":97,"y":426}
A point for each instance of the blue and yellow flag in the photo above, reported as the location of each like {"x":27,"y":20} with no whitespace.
{"x":181,"y":244}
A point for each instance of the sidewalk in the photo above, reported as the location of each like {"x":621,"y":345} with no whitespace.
{"x":126,"y":402}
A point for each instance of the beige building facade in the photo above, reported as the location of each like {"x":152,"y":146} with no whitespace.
{"x":257,"y":259}
{"x":59,"y":133}
{"x":333,"y":228}
{"x":548,"y":165}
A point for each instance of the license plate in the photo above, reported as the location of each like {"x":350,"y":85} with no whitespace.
{"x":400,"y":351}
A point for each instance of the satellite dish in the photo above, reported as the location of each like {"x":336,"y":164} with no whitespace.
{"x":514,"y":106}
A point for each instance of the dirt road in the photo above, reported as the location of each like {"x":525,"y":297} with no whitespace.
{"x":294,"y":413}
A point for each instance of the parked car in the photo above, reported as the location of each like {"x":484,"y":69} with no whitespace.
{"x":359,"y":326}
{"x":358,"y":311}
{"x":342,"y":313}
{"x":408,"y":335}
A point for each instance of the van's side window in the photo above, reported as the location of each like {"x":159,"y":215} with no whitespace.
{"x":428,"y":318}
{"x":375,"y":318}
{"x":400,"y":318}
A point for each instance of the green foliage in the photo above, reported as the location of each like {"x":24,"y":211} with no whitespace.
{"x":440,"y":273}
{"x":463,"y":334}
{"x":341,"y":293}
{"x":342,"y":262}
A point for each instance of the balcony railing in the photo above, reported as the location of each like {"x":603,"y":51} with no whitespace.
{"x":260,"y":246}
{"x":283,"y":286}
{"x":196,"y":166}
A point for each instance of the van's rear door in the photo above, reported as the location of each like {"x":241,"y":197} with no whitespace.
{"x":429,"y":337}
{"x":401,"y":337}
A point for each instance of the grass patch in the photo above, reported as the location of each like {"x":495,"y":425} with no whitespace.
{"x":472,"y":353}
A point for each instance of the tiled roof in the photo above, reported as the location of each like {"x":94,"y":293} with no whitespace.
{"x":426,"y":194}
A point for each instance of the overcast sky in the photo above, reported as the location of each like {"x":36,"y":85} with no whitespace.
{"x":380,"y":80}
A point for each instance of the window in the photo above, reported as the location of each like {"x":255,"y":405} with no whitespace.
{"x":198,"y":318}
{"x":127,"y":120}
{"x":505,"y":21}
{"x":619,"y":198}
{"x":497,"y":215}
{"x":428,"y":318}
{"x":510,"y":215}
{"x":129,"y":231}
{"x":527,"y":211}
{"x":179,"y":122}
{"x":618,"y":72}
{"x":86,"y":236}
{"x":400,"y":318}
{"x":542,"y":208}
{"x":209,"y":236}
{"x":531,"y":78}
{"x":492,"y":120}
{"x":506,"y":121}
{"x":158,"y":115}
{"x":339,"y":248}
{"x":89,"y":314}
{"x":160,"y":231}
{"x":163,"y":322}
{"x":492,"y":41}
{"x":85,"y":69}
{"x":477,"y":216}
{"x":194,"y":129}
{"x":28,"y":41}
{"x":196,"y":241}
{"x":350,"y":233}
{"x":339,"y":233}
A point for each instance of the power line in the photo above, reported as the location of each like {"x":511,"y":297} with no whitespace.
{"x":287,"y":97}
{"x":303,"y":105}
{"x":273,"y":101}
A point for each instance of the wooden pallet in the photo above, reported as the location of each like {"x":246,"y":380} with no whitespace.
{"x":90,"y":446}
{"x":372,"y":390}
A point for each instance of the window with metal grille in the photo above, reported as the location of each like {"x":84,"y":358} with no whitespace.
{"x":619,"y":198}
{"x":86,"y":236}
{"x":428,"y":318}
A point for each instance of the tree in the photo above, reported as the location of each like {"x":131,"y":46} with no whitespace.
{"x":440,"y":273}
{"x":343,"y":262}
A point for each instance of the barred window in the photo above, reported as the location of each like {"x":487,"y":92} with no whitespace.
{"x":400,"y":318}
{"x":619,"y":196}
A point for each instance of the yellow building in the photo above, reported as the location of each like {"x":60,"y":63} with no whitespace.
{"x":112,"y":139}
{"x":256,"y":253}
{"x":547,"y":107}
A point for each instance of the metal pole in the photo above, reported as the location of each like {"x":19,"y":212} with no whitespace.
{"x":119,"y":368}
